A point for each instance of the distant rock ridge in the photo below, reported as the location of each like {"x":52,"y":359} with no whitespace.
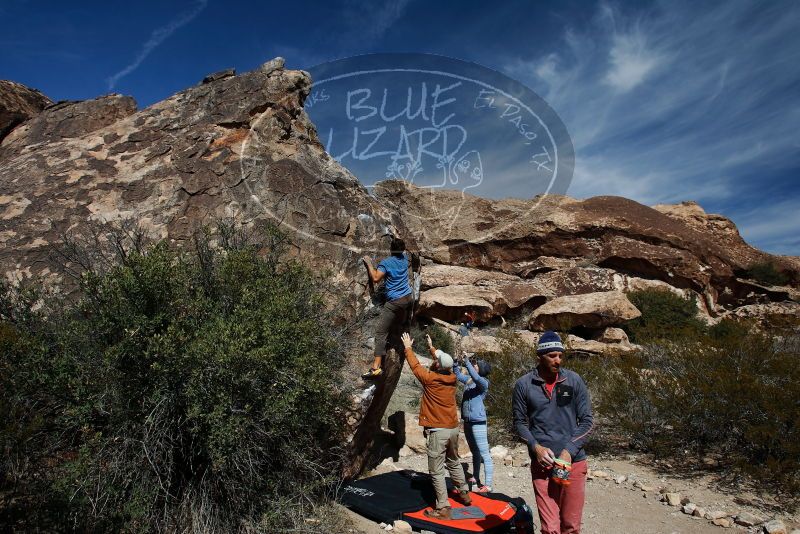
{"x":18,"y":103}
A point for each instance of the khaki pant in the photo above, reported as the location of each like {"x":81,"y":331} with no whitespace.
{"x":443,"y":451}
{"x":391,"y":323}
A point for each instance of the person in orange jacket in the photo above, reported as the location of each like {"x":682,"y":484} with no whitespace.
{"x":439,"y":417}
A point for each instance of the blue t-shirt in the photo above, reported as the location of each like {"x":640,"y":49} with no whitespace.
{"x":396,"y":279}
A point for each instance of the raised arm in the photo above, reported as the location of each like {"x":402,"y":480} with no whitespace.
{"x":480,"y":381}
{"x":422,"y":374}
{"x":376,"y":275}
{"x":461,"y":377}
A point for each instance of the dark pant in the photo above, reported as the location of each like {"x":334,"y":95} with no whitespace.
{"x":391,"y":322}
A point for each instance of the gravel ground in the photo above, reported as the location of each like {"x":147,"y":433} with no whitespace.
{"x":618,"y":508}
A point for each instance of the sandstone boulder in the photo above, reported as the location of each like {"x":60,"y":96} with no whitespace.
{"x":529,"y":338}
{"x":746,"y":519}
{"x":450,"y":302}
{"x":437,"y":275}
{"x":606,"y":232}
{"x":578,"y":345}
{"x":612,"y":335}
{"x":479,"y":343}
{"x":591,"y":310}
{"x":543,"y":264}
{"x":402,"y":527}
{"x":775,"y":526}
{"x":219,"y":75}
{"x":770,"y":315}
{"x":414,"y":438}
{"x":240,"y":147}
{"x":449,"y":291}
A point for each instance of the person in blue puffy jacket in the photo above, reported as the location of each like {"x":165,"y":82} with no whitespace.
{"x":473,"y":412}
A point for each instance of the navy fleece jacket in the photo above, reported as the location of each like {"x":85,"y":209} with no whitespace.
{"x":561,"y":421}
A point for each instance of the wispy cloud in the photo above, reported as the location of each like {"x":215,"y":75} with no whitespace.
{"x":774,"y":228}
{"x":367,"y":22}
{"x":631,"y":61}
{"x":676,"y":102}
{"x":158,"y":36}
{"x":357,"y":27}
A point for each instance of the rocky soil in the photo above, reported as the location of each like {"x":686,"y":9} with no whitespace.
{"x":626,"y":494}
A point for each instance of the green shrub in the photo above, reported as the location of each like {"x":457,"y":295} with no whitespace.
{"x":439,"y":336}
{"x":735,"y":395}
{"x":514,"y":360}
{"x":728,"y":330}
{"x":731,"y":392}
{"x":665,"y":315}
{"x":181,"y":389}
{"x":767,"y":273}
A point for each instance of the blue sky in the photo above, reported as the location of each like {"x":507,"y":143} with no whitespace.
{"x":664,"y":101}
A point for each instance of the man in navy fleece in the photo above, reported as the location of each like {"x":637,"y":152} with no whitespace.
{"x":553,"y":413}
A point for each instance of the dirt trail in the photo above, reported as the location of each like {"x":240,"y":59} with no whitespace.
{"x":617,"y":508}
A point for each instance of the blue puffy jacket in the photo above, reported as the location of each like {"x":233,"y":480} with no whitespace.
{"x":472,"y":408}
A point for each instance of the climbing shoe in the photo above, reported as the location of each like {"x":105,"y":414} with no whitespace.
{"x":441,"y":513}
{"x":372,"y":374}
{"x":464,"y":498}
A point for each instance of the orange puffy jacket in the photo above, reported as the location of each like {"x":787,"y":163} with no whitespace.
{"x":438,"y":406}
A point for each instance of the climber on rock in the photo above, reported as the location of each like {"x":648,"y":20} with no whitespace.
{"x":393,"y":271}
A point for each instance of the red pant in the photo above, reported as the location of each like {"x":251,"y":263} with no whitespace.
{"x":560,"y":507}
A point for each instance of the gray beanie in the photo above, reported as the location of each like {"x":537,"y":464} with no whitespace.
{"x":444,"y":359}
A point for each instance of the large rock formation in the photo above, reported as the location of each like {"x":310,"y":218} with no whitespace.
{"x":450,"y":290}
{"x":609,"y":232}
{"x":242,"y":147}
{"x":239,"y":147}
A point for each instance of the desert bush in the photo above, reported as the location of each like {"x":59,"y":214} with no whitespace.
{"x":665,"y":315}
{"x":439,"y":336}
{"x":728,"y":330}
{"x":514,"y":360}
{"x":766,"y":273}
{"x":182,"y":390}
{"x":732,"y":391}
{"x":735,"y":395}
